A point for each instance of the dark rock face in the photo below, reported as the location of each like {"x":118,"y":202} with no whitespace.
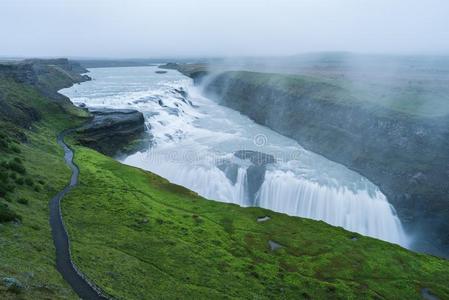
{"x":255,"y":173}
{"x":195,"y":71}
{"x":255,"y":177}
{"x":111,"y":130}
{"x":407,"y":157}
{"x":48,"y":76}
{"x":257,"y":158}
{"x":181,"y":92}
{"x":230,"y":169}
{"x":21,"y":72}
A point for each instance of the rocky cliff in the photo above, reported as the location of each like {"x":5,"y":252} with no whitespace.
{"x":45,"y":77}
{"x":195,"y":71}
{"x":406,"y":156}
{"x":112,"y":130}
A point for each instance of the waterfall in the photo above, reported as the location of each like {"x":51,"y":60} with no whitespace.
{"x":356,"y":211}
{"x":209,"y":182}
{"x":367,"y":213}
{"x":192,"y":135}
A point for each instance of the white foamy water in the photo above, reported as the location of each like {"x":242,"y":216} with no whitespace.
{"x":194,"y":141}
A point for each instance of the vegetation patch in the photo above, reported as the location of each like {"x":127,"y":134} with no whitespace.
{"x":6,"y":214}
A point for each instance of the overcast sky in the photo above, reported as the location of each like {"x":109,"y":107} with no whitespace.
{"x":150,"y":28}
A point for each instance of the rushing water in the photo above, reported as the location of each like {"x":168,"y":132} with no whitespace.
{"x":194,"y":144}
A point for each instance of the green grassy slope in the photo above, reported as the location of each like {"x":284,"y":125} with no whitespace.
{"x":32,"y":171}
{"x":415,"y":98}
{"x":141,"y":237}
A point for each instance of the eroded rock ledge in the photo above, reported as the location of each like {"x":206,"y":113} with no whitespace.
{"x":255,"y":171}
{"x":114,"y":131}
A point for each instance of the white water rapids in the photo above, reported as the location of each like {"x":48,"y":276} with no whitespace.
{"x":194,"y":144}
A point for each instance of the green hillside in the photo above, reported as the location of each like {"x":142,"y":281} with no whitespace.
{"x":415,"y":98}
{"x":139,"y":237}
{"x":32,"y":171}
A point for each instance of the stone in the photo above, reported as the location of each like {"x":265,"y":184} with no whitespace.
{"x":263,"y":219}
{"x":426,"y":294}
{"x":12,"y":284}
{"x":274,"y":246}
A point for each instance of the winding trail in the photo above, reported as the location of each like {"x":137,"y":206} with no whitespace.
{"x":64,"y":264}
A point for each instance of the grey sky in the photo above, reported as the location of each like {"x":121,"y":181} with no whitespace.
{"x":149,"y":28}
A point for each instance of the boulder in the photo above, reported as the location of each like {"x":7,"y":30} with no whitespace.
{"x":12,"y":284}
{"x":274,"y":246}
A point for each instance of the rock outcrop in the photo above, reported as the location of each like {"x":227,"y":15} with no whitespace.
{"x":48,"y":76}
{"x":255,"y":172}
{"x":112,"y":131}
{"x":195,"y":71}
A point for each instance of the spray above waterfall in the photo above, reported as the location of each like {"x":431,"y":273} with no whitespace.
{"x":224,"y":156}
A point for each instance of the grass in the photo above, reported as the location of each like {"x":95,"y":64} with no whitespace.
{"x":33,"y":171}
{"x":26,"y":247}
{"x":138,"y":236}
{"x":415,"y":98}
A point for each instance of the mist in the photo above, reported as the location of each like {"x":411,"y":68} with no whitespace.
{"x":174,"y":28}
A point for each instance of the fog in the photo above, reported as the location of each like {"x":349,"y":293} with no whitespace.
{"x":173,"y":28}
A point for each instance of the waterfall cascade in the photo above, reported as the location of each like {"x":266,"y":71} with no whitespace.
{"x":193,"y":136}
{"x":368,"y":213}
